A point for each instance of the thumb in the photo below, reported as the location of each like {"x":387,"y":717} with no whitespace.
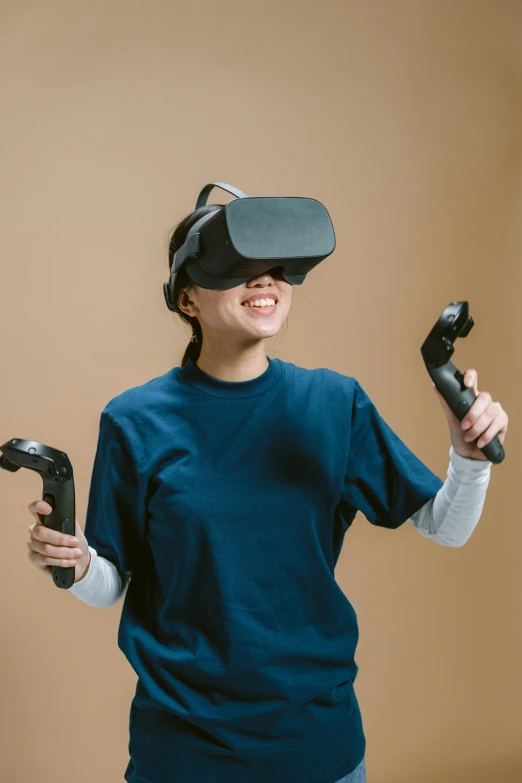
{"x":82,"y":541}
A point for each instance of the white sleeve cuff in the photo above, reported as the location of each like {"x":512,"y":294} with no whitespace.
{"x":102,"y":585}
{"x":450,"y":517}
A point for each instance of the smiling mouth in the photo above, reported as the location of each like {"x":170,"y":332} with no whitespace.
{"x":265,"y":310}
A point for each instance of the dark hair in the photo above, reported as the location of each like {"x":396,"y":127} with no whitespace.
{"x":183,"y":281}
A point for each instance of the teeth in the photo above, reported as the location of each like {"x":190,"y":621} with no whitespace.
{"x":260,"y":303}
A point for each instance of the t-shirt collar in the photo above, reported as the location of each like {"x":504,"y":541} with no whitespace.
{"x":192,"y":374}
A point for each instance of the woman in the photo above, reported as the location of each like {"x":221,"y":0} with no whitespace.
{"x":220,"y":495}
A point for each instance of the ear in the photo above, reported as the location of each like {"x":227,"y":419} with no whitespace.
{"x":186,"y":304}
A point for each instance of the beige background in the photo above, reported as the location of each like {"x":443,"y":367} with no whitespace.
{"x":405,"y":120}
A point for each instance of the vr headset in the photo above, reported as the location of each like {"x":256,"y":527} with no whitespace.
{"x":249,"y":236}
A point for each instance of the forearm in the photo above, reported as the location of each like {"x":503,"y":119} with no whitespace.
{"x":450,"y":517}
{"x":101,"y":584}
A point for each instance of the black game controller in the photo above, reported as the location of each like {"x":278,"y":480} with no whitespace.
{"x":436,"y":351}
{"x":58,"y":489}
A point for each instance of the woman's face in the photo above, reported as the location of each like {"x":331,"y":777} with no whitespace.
{"x":226,"y":311}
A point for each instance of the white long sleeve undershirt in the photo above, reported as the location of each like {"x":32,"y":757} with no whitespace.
{"x":448,"y":518}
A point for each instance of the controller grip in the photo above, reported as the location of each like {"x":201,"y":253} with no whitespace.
{"x":450,"y":383}
{"x":63,"y":518}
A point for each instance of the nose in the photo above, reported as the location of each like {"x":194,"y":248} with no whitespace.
{"x":266,"y":277}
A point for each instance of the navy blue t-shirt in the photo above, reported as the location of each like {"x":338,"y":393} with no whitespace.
{"x":229,"y":502}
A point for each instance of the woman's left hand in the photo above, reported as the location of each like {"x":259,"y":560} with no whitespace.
{"x":485,"y":418}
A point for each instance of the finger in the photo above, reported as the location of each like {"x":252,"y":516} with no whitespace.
{"x":495,"y":428}
{"x":482,"y":423}
{"x":480,"y":404}
{"x":39,"y":532}
{"x":52,"y":550}
{"x":471,"y":380}
{"x":39,"y":508}
{"x":43,"y":562}
{"x":53,"y":555}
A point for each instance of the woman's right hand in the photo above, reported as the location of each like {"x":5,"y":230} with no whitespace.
{"x":47,"y":547}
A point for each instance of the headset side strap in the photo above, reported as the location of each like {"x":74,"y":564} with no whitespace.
{"x":188,"y":248}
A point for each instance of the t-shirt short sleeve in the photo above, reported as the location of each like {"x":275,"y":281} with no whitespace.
{"x":115,"y":518}
{"x":383,"y":478}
